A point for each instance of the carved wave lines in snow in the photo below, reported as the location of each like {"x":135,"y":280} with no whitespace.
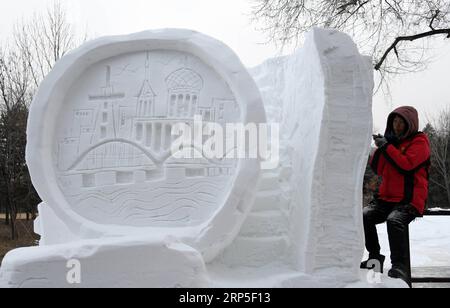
{"x":180,"y":204}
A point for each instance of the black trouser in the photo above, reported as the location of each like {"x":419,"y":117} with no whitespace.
{"x":398,"y":217}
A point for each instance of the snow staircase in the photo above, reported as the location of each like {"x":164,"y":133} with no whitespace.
{"x":263,"y":238}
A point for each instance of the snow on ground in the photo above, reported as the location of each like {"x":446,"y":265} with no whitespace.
{"x":438,"y":209}
{"x":429,"y":240}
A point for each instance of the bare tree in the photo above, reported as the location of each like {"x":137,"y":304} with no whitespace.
{"x":45,"y":39}
{"x":15,"y":95}
{"x":14,"y":78}
{"x":35,"y":48}
{"x":440,"y":147}
{"x":395,"y":32}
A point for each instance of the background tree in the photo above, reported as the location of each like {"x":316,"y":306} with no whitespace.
{"x":439,"y":134}
{"x":14,"y":170}
{"x":44,"y":40}
{"x":397,"y":33}
{"x":34,"y":49}
{"x":15,"y":97}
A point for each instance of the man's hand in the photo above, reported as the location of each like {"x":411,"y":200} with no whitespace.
{"x":380,"y":141}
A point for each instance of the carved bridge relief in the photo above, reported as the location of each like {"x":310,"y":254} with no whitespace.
{"x":113,"y":157}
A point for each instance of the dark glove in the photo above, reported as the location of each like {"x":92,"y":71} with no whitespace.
{"x":380,"y":141}
{"x":392,"y":139}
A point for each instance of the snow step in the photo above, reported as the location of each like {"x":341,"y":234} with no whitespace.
{"x":286,"y":172}
{"x":265,"y":224}
{"x":255,"y":252}
{"x":271,"y":172}
{"x":268,"y":181}
{"x":286,"y":190}
{"x":270,"y":201}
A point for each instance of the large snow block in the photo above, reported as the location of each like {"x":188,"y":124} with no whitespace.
{"x":328,"y":122}
{"x":46,"y":224}
{"x":322,"y":98}
{"x":117,"y":263}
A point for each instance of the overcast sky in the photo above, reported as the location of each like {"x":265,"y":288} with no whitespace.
{"x":230,"y":22}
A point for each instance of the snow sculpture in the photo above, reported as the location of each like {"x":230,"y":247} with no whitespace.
{"x":132,"y":215}
{"x":307,"y":214}
{"x":99,"y":144}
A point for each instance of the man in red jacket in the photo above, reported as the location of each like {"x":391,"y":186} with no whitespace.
{"x":402,"y":160}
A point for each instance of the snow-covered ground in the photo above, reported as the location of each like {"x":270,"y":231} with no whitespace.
{"x":438,"y":209}
{"x":429,"y":240}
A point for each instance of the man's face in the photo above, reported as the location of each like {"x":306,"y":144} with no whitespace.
{"x":399,"y":126}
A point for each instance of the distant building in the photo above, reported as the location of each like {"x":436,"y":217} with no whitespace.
{"x":221,"y":111}
{"x":105,"y":125}
{"x":184,"y":86}
{"x":111,"y":142}
{"x":146,"y":99}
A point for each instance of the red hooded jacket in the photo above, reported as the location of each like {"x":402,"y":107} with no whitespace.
{"x":404,"y":164}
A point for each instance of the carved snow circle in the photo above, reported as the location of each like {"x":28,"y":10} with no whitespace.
{"x":100,"y":135}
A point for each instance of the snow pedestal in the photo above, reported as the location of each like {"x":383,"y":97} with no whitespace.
{"x":122,"y":209}
{"x":117,"y":263}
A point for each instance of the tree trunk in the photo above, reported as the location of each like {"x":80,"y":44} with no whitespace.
{"x":33,"y":213}
{"x":14,"y":234}
{"x":14,"y":231}
{"x":447,"y":185}
{"x":448,"y":198}
{"x":7,"y":215}
{"x":13,"y":212}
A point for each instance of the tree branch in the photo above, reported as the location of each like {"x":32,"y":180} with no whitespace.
{"x":433,"y":19}
{"x":344,"y":6}
{"x":437,"y":183}
{"x":353,"y":13}
{"x":411,"y":39}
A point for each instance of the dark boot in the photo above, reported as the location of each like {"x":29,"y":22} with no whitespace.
{"x":399,"y":271}
{"x":372,"y":263}
{"x":397,"y":226}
